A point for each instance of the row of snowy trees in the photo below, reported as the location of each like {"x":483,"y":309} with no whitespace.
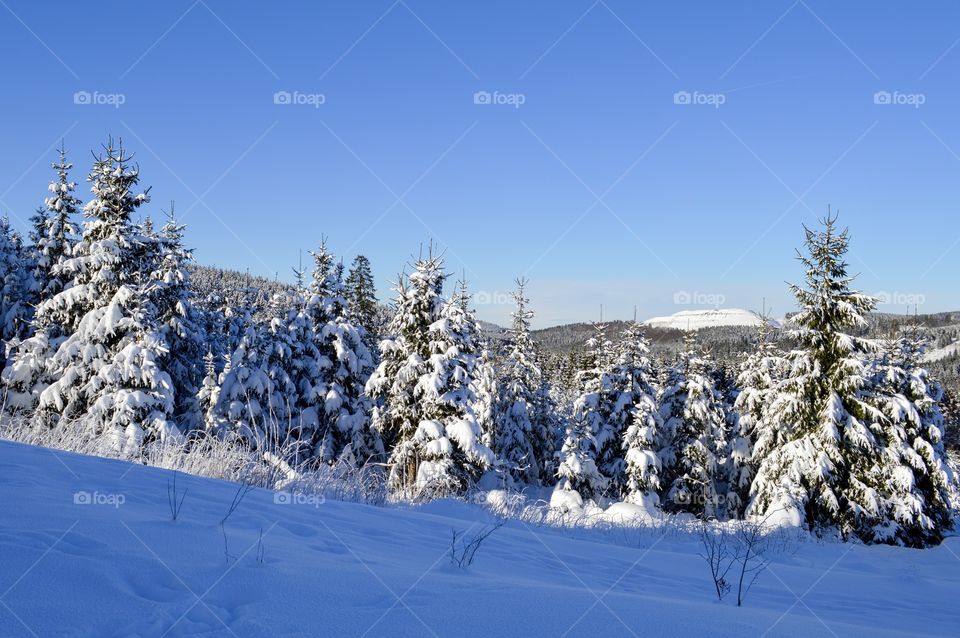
{"x":841,"y":433}
{"x":100,"y":326}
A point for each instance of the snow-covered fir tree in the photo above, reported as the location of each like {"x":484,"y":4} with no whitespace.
{"x":640,"y":482}
{"x":592,"y":427}
{"x":15,"y":286}
{"x":578,"y":471}
{"x":283,"y":339}
{"x":916,"y":481}
{"x":55,"y":231}
{"x":326,"y":283}
{"x":295,"y":383}
{"x":109,"y":371}
{"x":423,"y":389}
{"x":518,"y":442}
{"x":486,"y":407}
{"x":171,"y":294}
{"x":237,"y":333}
{"x":242,"y":410}
{"x":823,"y":465}
{"x":547,"y":428}
{"x":332,"y":384}
{"x":361,"y":295}
{"x":760,"y":373}
{"x":294,"y":370}
{"x":694,"y":435}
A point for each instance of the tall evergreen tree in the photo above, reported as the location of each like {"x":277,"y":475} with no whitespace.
{"x":423,"y":389}
{"x":546,"y":429}
{"x":295,"y":383}
{"x":171,"y":293}
{"x":343,"y":365}
{"x":517,"y":442}
{"x":820,"y":465}
{"x":760,"y":373}
{"x":361,"y":297}
{"x":109,"y":370}
{"x":55,"y":232}
{"x":242,"y":410}
{"x":487,"y":403}
{"x":694,"y":435}
{"x":915,"y":492}
{"x":591,"y":429}
{"x":640,"y":479}
{"x":14,"y":287}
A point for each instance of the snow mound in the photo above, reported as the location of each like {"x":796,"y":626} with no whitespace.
{"x":566,"y":501}
{"x":633,"y":514}
{"x":708,"y":318}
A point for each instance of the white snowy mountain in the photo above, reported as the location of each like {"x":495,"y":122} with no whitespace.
{"x":707,"y":318}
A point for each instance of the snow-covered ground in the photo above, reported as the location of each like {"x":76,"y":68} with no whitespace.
{"x":708,"y":318}
{"x":88,"y":548}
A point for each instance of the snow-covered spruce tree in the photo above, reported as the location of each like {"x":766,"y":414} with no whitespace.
{"x":32,"y":260}
{"x":55,"y":231}
{"x":517,"y":443}
{"x":916,"y":485}
{"x":361,"y":297}
{"x":274,"y":395}
{"x":694,"y":435}
{"x":455,"y":363}
{"x":338,"y":364}
{"x":547,"y":429}
{"x":109,"y":371}
{"x":148,"y":248}
{"x":237,"y":309}
{"x":760,"y":373}
{"x":282,"y":338}
{"x":178,"y":323}
{"x":293,"y":365}
{"x":591,"y":427}
{"x":326,"y":283}
{"x":242,"y":411}
{"x":487,"y":403}
{"x":725,"y":381}
{"x":822,"y":465}
{"x":634,"y":374}
{"x":423,"y":389}
{"x":14,"y":287}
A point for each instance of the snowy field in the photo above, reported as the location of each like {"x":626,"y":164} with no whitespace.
{"x":119,"y":566}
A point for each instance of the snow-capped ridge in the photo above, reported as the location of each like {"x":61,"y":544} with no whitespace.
{"x":708,"y":318}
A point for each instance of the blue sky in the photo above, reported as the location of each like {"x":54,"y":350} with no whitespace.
{"x":584,"y":175}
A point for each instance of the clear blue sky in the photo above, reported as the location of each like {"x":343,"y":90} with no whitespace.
{"x":598,"y":187}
